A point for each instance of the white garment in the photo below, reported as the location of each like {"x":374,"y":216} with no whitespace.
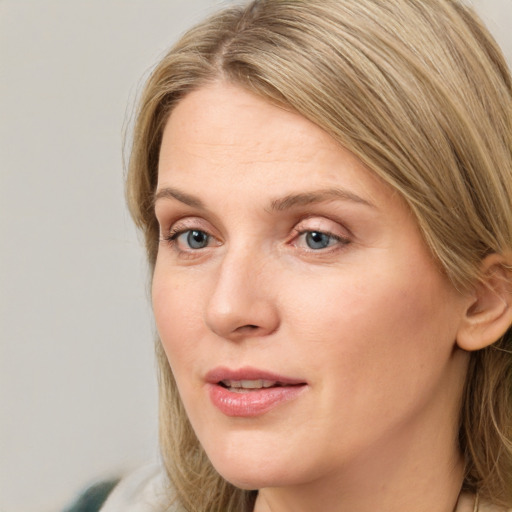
{"x":145,"y":490}
{"x":467,"y":504}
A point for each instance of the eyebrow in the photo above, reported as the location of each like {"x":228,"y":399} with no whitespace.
{"x":285,"y":203}
{"x":317,"y":196}
{"x":173,"y":193}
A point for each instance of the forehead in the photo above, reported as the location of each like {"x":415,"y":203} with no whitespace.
{"x":225,"y":117}
{"x":225,"y":141}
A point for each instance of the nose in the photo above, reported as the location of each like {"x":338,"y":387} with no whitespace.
{"x":242,"y":304}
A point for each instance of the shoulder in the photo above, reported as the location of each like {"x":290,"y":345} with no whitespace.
{"x":467,"y":503}
{"x":93,"y":498}
{"x":145,"y":490}
{"x":489,"y":507}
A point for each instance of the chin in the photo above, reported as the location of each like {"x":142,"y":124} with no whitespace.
{"x":252,"y":480}
{"x":251,"y":473}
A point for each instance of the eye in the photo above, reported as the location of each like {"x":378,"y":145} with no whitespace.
{"x":318,"y":240}
{"x":191,"y":239}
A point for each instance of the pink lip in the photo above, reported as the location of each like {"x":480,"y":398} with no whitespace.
{"x":250,"y":403}
{"x":247,"y":373}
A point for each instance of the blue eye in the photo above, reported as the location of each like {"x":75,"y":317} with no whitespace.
{"x":318,"y":240}
{"x":189,"y":239}
{"x":196,"y":239}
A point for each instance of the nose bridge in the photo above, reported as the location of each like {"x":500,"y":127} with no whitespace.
{"x":241,"y":303}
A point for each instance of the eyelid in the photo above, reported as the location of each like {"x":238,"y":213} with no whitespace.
{"x":332,"y":229}
{"x":340,"y":241}
{"x":186,"y":223}
{"x":324,"y":225}
{"x":309,"y":224}
{"x":170,"y":236}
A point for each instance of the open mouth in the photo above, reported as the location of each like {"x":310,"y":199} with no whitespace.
{"x":250,"y":392}
{"x":246,"y":386}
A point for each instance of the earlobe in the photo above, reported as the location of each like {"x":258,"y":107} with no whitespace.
{"x":489,"y":313}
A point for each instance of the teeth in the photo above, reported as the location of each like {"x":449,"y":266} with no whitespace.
{"x":249,"y":384}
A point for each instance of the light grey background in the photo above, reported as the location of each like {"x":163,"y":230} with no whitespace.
{"x":77,"y":387}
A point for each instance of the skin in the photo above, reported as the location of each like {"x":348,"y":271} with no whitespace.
{"x":369,"y":322}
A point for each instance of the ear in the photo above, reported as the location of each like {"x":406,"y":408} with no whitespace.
{"x":489,"y":313}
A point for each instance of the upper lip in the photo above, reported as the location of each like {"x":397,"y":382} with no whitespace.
{"x":220,"y":373}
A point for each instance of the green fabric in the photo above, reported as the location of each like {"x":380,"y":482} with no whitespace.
{"x":93,"y":498}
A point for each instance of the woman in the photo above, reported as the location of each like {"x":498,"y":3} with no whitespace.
{"x":325,"y":191}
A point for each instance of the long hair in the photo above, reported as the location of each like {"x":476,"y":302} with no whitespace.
{"x":421,"y":93}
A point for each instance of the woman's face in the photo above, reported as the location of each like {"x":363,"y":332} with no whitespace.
{"x":302,"y":315}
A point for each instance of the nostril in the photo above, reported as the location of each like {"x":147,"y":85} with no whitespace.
{"x":248,"y":327}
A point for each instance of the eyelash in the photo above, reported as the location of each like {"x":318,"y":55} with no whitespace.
{"x":175,"y":233}
{"x":339,"y":241}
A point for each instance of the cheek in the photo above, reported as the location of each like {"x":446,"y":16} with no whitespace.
{"x":376,"y":327}
{"x":377,"y":350}
{"x":177,"y":311}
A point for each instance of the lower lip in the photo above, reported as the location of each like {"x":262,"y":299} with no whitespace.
{"x":252,"y":403}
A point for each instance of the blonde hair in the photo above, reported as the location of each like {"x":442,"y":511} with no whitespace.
{"x":421,"y":93}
